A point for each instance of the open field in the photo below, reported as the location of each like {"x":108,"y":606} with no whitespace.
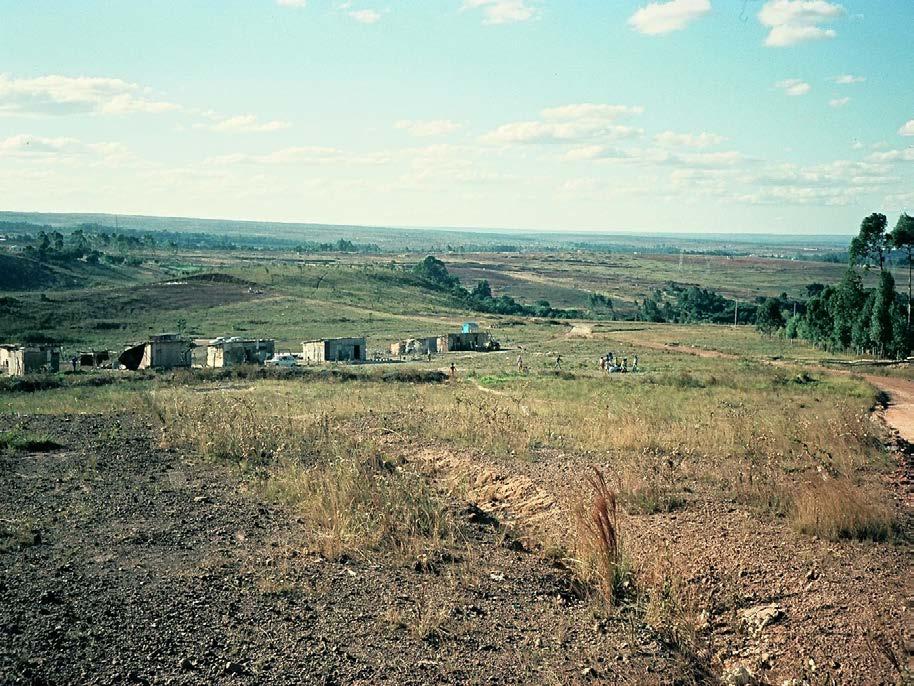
{"x":738,"y":506}
{"x":713,"y":458}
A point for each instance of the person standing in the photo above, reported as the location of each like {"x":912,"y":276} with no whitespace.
{"x":453,"y":374}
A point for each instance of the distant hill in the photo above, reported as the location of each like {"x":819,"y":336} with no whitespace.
{"x":442,"y":239}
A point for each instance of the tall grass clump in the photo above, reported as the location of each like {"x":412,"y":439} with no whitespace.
{"x":599,"y":559}
{"x":837,"y":509}
{"x":353,"y":500}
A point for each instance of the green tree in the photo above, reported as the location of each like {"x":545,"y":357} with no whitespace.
{"x":902,"y":238}
{"x":817,"y":322}
{"x":882,"y":314}
{"x":870,"y":245}
{"x":845,"y":305}
{"x":482,"y":290}
{"x":433,"y":270}
{"x":860,"y":334}
{"x":769,"y":317}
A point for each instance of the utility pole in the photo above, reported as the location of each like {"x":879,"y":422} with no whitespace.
{"x":736,"y":313}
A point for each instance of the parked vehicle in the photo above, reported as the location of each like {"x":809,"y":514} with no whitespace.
{"x":282,"y":360}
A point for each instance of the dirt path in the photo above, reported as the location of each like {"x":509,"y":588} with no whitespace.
{"x":900,"y":412}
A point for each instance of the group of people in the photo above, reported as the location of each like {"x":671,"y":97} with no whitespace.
{"x":611,"y":364}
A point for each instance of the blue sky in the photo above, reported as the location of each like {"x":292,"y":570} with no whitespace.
{"x":785,"y":116}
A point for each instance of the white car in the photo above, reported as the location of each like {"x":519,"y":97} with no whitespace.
{"x":282,"y":360}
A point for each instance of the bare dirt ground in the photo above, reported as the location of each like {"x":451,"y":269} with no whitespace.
{"x":123,"y":563}
{"x":831,"y":600}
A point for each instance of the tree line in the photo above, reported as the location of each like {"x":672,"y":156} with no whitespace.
{"x":848,"y":316}
{"x":434,"y":273}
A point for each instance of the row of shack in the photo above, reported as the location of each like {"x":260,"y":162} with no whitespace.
{"x":172,"y":350}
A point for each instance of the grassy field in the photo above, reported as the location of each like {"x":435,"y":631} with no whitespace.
{"x":292,"y":297}
{"x":630,"y":482}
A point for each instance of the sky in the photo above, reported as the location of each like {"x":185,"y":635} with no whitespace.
{"x":725,"y":116}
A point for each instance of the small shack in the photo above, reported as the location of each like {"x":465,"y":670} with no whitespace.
{"x":164,"y":351}
{"x":415,"y":346}
{"x":479,"y":341}
{"x":228,"y":352}
{"x":334,"y":350}
{"x":19,"y":360}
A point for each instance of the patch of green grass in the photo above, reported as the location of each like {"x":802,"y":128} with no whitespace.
{"x":22,"y":441}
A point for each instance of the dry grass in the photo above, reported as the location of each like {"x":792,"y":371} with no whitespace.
{"x":837,"y":509}
{"x":348,"y":496}
{"x":353,"y":501}
{"x":599,"y":560}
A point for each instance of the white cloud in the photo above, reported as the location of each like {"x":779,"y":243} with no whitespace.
{"x":906,"y":155}
{"x":796,"y":21}
{"x":429,"y":127}
{"x":569,"y":124}
{"x":24,"y":146}
{"x":793,"y":87}
{"x":688,"y":140}
{"x":907,"y":129}
{"x":590,"y":111}
{"x":847,"y":79}
{"x":729,"y":158}
{"x":558,"y":132}
{"x":298,"y":155}
{"x":503,"y":11}
{"x":800,"y":195}
{"x":838,"y":102}
{"x":659,"y":18}
{"x":61,"y":95}
{"x":366,"y":16}
{"x":243,"y":123}
{"x":596,"y":152}
{"x":838,"y":173}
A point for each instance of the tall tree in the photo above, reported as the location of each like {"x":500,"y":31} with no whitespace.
{"x":902,"y":237}
{"x":882,"y":315}
{"x":845,"y":306}
{"x":871,"y":244}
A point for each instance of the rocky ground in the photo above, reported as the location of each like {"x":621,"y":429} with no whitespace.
{"x":124,"y":563}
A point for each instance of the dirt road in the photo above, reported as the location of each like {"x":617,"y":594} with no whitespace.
{"x":900,"y":412}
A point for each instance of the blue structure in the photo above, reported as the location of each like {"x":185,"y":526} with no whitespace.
{"x":470,"y":327}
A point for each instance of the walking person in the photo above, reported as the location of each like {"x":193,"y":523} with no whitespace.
{"x":558,"y":363}
{"x":74,"y":361}
{"x":453,"y":374}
